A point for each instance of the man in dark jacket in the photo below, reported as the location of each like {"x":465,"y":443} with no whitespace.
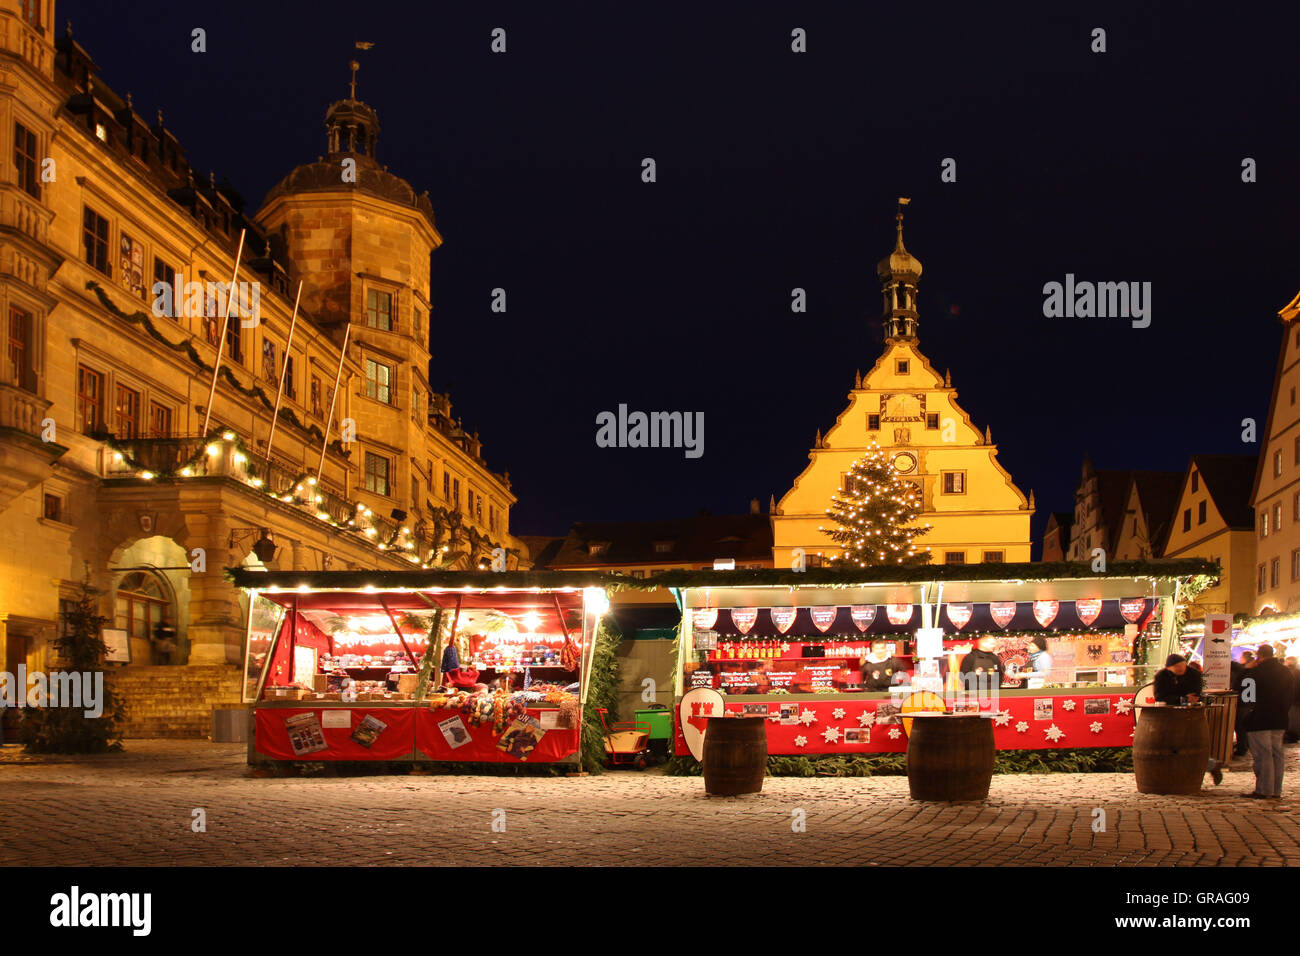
{"x":1270,"y":685}
{"x":983,"y":661}
{"x":1178,"y":684}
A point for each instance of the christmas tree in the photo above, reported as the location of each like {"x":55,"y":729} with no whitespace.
{"x":876,"y":512}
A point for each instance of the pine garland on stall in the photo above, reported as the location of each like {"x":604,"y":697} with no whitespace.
{"x":602,"y":691}
{"x":1082,"y":760}
{"x":876,"y":511}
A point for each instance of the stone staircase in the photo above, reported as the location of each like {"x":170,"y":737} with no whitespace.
{"x":173,"y":700}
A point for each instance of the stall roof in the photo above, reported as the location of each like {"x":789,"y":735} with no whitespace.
{"x":420,"y":580}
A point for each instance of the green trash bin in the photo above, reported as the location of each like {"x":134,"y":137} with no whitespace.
{"x":661,"y":729}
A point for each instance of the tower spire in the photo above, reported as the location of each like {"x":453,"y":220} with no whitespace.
{"x":899,"y":273}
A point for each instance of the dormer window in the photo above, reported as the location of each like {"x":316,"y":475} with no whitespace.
{"x":663,"y":547}
{"x":597,"y":548}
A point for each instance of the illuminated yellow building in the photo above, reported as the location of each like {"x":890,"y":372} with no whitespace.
{"x":903,"y":404}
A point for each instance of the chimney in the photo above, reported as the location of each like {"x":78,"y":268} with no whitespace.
{"x":754,"y":507}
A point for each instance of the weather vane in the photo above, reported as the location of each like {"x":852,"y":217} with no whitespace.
{"x":360,"y":45}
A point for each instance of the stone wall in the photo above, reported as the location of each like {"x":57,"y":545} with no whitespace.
{"x":174,"y":701}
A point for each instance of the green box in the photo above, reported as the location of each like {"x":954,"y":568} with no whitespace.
{"x":660,"y":721}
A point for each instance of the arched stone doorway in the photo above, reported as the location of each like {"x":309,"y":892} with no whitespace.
{"x":151,"y":600}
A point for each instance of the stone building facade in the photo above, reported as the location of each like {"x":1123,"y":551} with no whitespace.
{"x":107,"y":472}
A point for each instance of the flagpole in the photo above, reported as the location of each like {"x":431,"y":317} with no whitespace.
{"x":275,"y":416}
{"x":343,"y":354}
{"x":221,"y":340}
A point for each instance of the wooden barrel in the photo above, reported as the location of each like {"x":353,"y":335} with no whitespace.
{"x":735,"y":755}
{"x":1171,"y":747}
{"x":950,"y":757}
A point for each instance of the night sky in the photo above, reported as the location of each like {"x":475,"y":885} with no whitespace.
{"x":778,"y":170}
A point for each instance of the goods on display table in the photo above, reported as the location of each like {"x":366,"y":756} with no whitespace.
{"x":416,"y":666}
{"x":834,"y":665}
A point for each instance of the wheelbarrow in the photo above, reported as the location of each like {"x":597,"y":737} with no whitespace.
{"x":626,"y":742}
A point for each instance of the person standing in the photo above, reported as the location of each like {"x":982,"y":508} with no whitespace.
{"x":1178,"y":685}
{"x":984,"y":662}
{"x":1273,"y":693}
{"x":880,"y":669}
{"x":1040,"y":662}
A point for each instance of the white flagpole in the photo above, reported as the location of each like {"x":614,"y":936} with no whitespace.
{"x":343,"y":354}
{"x":275,"y":416}
{"x":221,"y":341}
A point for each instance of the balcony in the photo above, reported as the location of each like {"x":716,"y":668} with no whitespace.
{"x":25,"y":455}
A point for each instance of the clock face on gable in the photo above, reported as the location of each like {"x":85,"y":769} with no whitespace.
{"x":904,"y":462}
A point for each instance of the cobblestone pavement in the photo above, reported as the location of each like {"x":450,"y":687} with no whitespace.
{"x":135,"y":808}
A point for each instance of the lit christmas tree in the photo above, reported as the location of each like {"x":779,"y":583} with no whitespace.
{"x":876,"y":510}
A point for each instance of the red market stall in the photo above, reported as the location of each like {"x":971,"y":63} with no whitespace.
{"x":335,"y":665}
{"x":833,"y":660}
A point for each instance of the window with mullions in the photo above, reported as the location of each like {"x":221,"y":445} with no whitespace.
{"x":90,"y":399}
{"x":379,"y":310}
{"x":131,"y":265}
{"x":21,"y":367}
{"x":94,"y":236}
{"x":25,"y":160}
{"x":379,"y":379}
{"x":376,"y":474}
{"x":126,"y":413}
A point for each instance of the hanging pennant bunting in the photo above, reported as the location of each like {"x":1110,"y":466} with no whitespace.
{"x":1045,"y":612}
{"x":1132,"y":608}
{"x":783,"y":617}
{"x":1088,"y":610}
{"x":823,"y":617}
{"x":863,"y":615}
{"x":743,"y":618}
{"x":1003,"y":612}
{"x":704,"y":618}
{"x":898,"y":613}
{"x":960,"y":614}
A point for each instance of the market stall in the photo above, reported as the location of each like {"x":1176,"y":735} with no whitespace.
{"x":834,"y":659}
{"x":418,"y":666}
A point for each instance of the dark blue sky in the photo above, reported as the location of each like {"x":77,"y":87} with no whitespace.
{"x":778,"y":170}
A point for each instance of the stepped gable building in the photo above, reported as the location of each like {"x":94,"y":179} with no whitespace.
{"x":1275,"y":493}
{"x":905,"y":405}
{"x":1056,"y":536}
{"x":1213,"y":519}
{"x":1148,"y":509}
{"x":1098,"y":511}
{"x":106,"y":470}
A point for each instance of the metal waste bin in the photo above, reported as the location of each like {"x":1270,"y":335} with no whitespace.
{"x":1221,"y":712}
{"x":230,"y":723}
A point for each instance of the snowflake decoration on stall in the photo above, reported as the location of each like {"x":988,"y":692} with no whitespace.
{"x":1002,"y":718}
{"x":1054,"y":733}
{"x":1123,"y":705}
{"x":800,"y":740}
{"x":774,"y":718}
{"x":1067,"y":705}
{"x":807,"y":718}
{"x":831,"y":735}
{"x":866,"y":718}
{"x":1095,"y":726}
{"x":895,"y":733}
{"x":1022,"y":727}
{"x":838,"y":713}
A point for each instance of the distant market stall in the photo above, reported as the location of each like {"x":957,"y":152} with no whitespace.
{"x":830,"y":658}
{"x":350,"y":665}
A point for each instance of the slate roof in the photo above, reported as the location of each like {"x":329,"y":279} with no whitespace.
{"x":698,"y":540}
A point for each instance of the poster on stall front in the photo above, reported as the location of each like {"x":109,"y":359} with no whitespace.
{"x":454,"y":732}
{"x":521,"y":737}
{"x":368,"y":730}
{"x":305,"y":735}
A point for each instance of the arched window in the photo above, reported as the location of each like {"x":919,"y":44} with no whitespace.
{"x":143,"y":601}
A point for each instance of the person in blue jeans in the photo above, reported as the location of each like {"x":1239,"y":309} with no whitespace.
{"x":1271,"y":686}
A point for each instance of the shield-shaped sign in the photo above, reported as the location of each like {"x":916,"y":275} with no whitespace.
{"x":1132,"y":609}
{"x":704,"y":618}
{"x":1088,"y":610}
{"x":960,"y":614}
{"x":898,"y":613}
{"x":863,"y":615}
{"x":146,"y":521}
{"x":1003,"y":612}
{"x":782,"y":617}
{"x":823,"y":617}
{"x":1045,"y":612}
{"x":743,"y":618}
{"x":698,"y":705}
